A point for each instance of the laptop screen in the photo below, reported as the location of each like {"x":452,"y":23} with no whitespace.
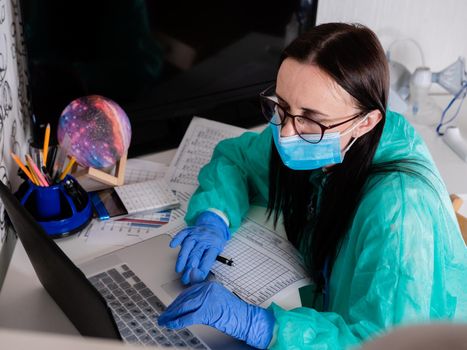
{"x":7,"y":247}
{"x":65,"y":283}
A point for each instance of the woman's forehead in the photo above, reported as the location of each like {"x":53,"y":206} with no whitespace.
{"x":303,"y":85}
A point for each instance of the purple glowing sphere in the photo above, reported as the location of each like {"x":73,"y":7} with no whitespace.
{"x":95,"y":130}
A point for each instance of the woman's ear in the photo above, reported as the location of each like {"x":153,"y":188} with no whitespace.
{"x":372,"y":119}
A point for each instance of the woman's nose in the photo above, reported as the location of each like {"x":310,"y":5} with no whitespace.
{"x":288,"y":128}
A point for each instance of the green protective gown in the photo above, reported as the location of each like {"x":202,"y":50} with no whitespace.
{"x":403,"y":260}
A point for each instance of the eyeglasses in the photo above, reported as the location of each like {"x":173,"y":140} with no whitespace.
{"x":302,"y":125}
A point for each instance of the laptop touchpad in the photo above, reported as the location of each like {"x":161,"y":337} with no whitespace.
{"x":173,"y":288}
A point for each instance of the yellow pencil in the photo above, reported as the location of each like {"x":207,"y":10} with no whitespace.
{"x":36,"y":180}
{"x":23,"y":167}
{"x":46,"y":145}
{"x":68,"y":168}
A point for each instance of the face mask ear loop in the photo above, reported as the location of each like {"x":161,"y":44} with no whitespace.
{"x":345,"y":150}
{"x":352,"y":128}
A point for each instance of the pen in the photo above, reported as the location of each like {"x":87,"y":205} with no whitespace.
{"x":73,"y":192}
{"x":51,"y":160}
{"x":46,"y":145}
{"x":225,"y":260}
{"x":46,"y":175}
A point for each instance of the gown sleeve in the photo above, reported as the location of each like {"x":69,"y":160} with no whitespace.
{"x":237,"y":175}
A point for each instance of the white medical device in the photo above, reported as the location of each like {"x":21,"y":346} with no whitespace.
{"x":409,"y":96}
{"x":453,"y":138}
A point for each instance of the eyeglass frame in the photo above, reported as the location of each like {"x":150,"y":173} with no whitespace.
{"x":292,"y":116}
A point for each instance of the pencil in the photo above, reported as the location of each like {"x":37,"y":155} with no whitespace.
{"x":46,"y":145}
{"x":23,"y":167}
{"x":36,"y":179}
{"x":36,"y":171}
{"x":68,"y":168}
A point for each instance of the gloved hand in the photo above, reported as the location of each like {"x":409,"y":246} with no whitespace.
{"x":210,"y":303}
{"x":200,"y":245}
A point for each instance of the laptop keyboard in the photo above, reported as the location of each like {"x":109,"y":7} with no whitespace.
{"x":136,"y":309}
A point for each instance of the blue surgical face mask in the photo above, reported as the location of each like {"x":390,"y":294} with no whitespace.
{"x":297,"y":154}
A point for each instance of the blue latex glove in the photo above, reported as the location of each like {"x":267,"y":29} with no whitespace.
{"x":200,"y":245}
{"x":210,"y":303}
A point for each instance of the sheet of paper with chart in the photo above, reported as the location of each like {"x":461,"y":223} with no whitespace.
{"x":196,"y":150}
{"x":265,"y":263}
{"x":139,"y":170}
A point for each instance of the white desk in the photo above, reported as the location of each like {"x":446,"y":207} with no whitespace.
{"x":25,"y":305}
{"x":22,"y":340}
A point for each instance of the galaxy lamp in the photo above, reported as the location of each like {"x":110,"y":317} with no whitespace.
{"x":96,"y":131}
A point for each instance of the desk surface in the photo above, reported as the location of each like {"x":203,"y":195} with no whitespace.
{"x":24,"y":304}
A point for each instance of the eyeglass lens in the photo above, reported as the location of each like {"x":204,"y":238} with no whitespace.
{"x":302,"y":125}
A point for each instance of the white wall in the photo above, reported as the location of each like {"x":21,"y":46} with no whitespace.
{"x":439,"y":26}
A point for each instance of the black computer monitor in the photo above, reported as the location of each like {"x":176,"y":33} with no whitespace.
{"x":163,"y":61}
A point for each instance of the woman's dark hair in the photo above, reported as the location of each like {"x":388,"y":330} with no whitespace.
{"x":353,"y":57}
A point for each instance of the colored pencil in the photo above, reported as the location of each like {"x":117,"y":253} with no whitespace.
{"x":23,"y":167}
{"x":46,"y":145}
{"x":36,"y":170}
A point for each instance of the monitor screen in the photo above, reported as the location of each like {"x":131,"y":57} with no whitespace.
{"x":162,"y":61}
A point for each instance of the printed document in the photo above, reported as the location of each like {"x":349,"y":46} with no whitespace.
{"x":196,"y":150}
{"x":265,"y":263}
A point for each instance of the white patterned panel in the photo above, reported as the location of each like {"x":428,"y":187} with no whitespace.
{"x":14,"y":101}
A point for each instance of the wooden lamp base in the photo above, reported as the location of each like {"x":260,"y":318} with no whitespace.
{"x":99,"y":175}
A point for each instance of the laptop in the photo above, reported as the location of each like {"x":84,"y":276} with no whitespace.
{"x":118,"y":295}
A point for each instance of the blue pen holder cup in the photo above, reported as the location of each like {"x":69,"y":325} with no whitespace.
{"x":61,"y":209}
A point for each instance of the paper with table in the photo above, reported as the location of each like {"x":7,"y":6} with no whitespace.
{"x":265,"y":263}
{"x":196,"y":150}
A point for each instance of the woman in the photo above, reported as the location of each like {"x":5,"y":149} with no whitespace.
{"x":359,"y":195}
